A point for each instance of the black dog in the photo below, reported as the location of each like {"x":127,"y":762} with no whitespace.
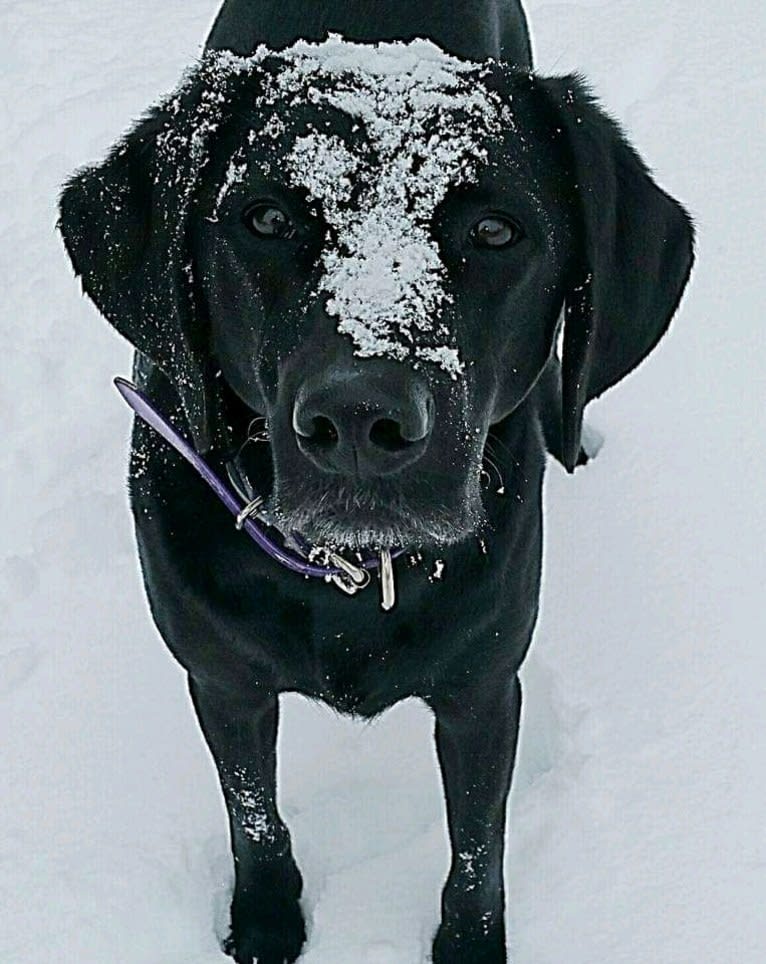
{"x":367,"y":257}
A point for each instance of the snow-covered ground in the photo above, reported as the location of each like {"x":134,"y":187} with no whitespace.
{"x":637,"y":830}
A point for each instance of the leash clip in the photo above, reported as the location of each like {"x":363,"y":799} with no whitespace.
{"x":352,"y":579}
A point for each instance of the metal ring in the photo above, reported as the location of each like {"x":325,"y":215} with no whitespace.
{"x":359,"y":576}
{"x":344,"y":585}
{"x":249,"y":510}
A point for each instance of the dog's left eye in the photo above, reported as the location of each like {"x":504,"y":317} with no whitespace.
{"x":269,"y":221}
{"x":496,"y":232}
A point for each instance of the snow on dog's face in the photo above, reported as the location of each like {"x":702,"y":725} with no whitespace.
{"x":358,"y":236}
{"x":423,"y":125}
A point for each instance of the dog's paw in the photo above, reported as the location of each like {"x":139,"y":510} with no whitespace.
{"x":456,"y":944}
{"x":273,"y":938}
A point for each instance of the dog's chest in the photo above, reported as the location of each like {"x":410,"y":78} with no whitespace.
{"x":353,"y":671}
{"x":343,"y":680}
{"x":361,"y":660}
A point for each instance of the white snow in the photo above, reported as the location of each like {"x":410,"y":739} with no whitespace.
{"x":235,"y":174}
{"x":251,"y":805}
{"x":438,"y":570}
{"x":427,"y":119}
{"x":636,"y":828}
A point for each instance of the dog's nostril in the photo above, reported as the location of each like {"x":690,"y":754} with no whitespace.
{"x":323,"y":432}
{"x":387,"y":434}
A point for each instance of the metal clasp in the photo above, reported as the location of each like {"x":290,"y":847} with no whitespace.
{"x":251,"y":509}
{"x":352,"y":579}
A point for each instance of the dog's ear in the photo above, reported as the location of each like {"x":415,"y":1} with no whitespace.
{"x":637,"y":253}
{"x":123,"y":223}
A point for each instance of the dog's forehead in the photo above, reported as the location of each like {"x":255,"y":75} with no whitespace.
{"x":408,"y":106}
{"x":376,"y":136}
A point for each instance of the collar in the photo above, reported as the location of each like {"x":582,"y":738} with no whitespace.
{"x":295,"y":554}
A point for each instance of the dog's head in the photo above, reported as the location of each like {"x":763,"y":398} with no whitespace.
{"x":375,"y":249}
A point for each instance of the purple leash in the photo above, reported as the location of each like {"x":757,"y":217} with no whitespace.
{"x":347,"y":576}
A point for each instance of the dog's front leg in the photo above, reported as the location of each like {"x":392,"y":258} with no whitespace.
{"x":476,"y":734}
{"x":267,"y":925}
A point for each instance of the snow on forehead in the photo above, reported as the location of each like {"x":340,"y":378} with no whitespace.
{"x":427,"y":120}
{"x":421,"y":57}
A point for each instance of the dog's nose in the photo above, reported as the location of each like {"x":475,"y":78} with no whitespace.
{"x":353,"y":424}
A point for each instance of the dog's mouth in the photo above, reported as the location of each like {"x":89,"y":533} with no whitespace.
{"x":360,"y":518}
{"x":362,"y":515}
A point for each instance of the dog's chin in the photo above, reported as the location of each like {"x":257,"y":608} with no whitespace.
{"x":373,"y":534}
{"x":383,"y":527}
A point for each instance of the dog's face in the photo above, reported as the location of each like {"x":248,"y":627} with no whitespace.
{"x":374,"y":247}
{"x":382,"y":257}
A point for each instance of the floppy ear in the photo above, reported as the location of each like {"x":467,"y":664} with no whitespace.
{"x":637,"y":252}
{"x":124,"y":226}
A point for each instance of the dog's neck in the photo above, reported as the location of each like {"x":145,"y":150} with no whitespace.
{"x":474,"y":29}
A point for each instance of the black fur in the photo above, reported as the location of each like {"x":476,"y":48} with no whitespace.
{"x":225,"y":333}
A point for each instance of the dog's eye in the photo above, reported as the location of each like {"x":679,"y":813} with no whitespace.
{"x":495,"y":232}
{"x":268,"y":221}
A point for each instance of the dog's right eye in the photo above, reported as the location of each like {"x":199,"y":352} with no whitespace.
{"x":270,"y":222}
{"x":496,"y":231}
